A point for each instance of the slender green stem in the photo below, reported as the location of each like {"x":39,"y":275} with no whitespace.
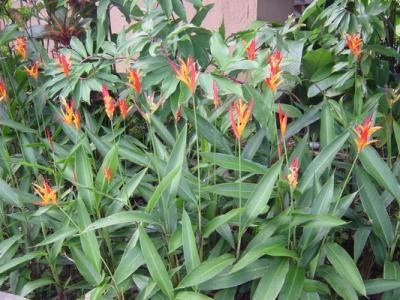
{"x":198,"y":171}
{"x":239,"y":237}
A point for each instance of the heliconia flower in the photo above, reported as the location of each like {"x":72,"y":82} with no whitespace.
{"x":354,"y":43}
{"x":274,"y":79}
{"x":178,"y":113}
{"x":251,"y":50}
{"x":216,"y":97}
{"x":109,"y":102}
{"x":282,"y":121}
{"x":3,"y":91}
{"x":134,"y":80}
{"x":46,"y":194}
{"x":107,"y":174}
{"x":70,"y":114}
{"x":33,"y":71}
{"x":364,"y":132}
{"x":20,"y":47}
{"x":123,"y":108}
{"x":293,"y":176}
{"x":63,"y":61}
{"x":49,"y":137}
{"x":243,"y":113}
{"x":274,"y":61}
{"x":187,"y":73}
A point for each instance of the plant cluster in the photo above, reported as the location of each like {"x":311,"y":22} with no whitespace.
{"x":263,"y":165}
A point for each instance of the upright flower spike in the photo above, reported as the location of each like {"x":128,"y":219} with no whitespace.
{"x":3,"y":91}
{"x":109,"y":103}
{"x":33,"y":71}
{"x":134,"y":80}
{"x":187,"y":73}
{"x":282,"y":121}
{"x":107,"y":174}
{"x":20,"y":47}
{"x":251,"y":50}
{"x":70,"y":114}
{"x":243,"y":114}
{"x":46,"y":194}
{"x":63,"y":61}
{"x":274,"y":79}
{"x":293,"y":176}
{"x":354,"y":43}
{"x":216,"y":97}
{"x":364,"y":132}
{"x":123,"y":108}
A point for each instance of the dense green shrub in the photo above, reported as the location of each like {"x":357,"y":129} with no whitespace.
{"x":261,"y":165}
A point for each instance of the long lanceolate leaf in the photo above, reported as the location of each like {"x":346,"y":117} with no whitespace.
{"x":192,"y":259}
{"x":155,"y":264}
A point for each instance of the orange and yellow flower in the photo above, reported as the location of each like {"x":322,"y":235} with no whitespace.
{"x":364,"y":132}
{"x":46,"y":194}
{"x":63,"y":61}
{"x":123,"y":108}
{"x":251,"y":50}
{"x":20,"y":47}
{"x":243,"y":114}
{"x":3,"y":91}
{"x":216,"y":97}
{"x":70,"y":114}
{"x":282,"y":121}
{"x":109,"y":103}
{"x":293,"y":176}
{"x":107,"y":174}
{"x":33,"y":71}
{"x":187,"y":73}
{"x":274,"y":79}
{"x":134,"y":80}
{"x":354,"y":43}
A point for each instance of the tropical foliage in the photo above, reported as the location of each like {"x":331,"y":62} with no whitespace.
{"x":169,"y":161}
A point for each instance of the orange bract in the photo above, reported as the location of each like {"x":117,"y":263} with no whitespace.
{"x":243,"y":113}
{"x":123,"y":108}
{"x":46,"y":193}
{"x":107,"y":174}
{"x":3,"y":91}
{"x":178,"y":113}
{"x":251,"y":50}
{"x":70,"y":114}
{"x":354,"y":43}
{"x":364,"y":132}
{"x":63,"y":61}
{"x":20,"y":47}
{"x":274,"y":79}
{"x":109,"y":103}
{"x":187,"y":73}
{"x":216,"y":97}
{"x":33,"y":71}
{"x":282,"y":121}
{"x":134,"y":80}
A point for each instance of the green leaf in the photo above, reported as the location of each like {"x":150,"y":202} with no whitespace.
{"x":5,"y":245}
{"x":17,"y":126}
{"x":60,"y":234}
{"x":109,"y":161}
{"x":219,"y":50}
{"x":78,"y":46}
{"x":220,"y":220}
{"x":123,"y":217}
{"x":231,"y":162}
{"x":30,"y":286}
{"x":130,"y":186}
{"x":155,"y":264}
{"x":345,"y":266}
{"x":8,"y":194}
{"x":164,"y":184}
{"x":192,"y":259}
{"x":84,"y":177}
{"x":375,"y":208}
{"x":379,"y":170}
{"x":19,"y":260}
{"x":191,"y":296}
{"x":327,"y":132}
{"x":338,"y":283}
{"x":379,"y":286}
{"x":207,"y":270}
{"x":209,"y":131}
{"x":231,"y":189}
{"x":261,"y":194}
{"x":271,"y":283}
{"x":85,"y":267}
{"x":321,"y":162}
{"x":293,"y":285}
{"x":179,"y":9}
{"x":166,"y":6}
